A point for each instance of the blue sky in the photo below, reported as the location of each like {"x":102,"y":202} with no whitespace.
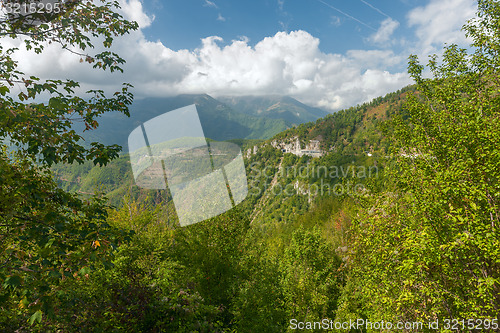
{"x":327,"y":53}
{"x":340,"y":25}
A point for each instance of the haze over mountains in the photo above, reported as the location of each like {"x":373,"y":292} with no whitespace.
{"x":247,"y":117}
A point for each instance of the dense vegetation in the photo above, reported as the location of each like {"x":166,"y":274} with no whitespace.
{"x":398,"y":221}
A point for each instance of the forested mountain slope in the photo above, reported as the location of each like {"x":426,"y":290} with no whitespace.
{"x":343,"y":137}
{"x":292,"y":226}
{"x":331,"y":157}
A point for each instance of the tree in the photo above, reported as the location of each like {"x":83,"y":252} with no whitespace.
{"x":46,"y":234}
{"x":211,"y":252}
{"x":310,"y":279}
{"x":429,"y":249}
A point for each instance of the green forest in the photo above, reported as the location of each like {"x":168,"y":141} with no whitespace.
{"x":397,"y":222}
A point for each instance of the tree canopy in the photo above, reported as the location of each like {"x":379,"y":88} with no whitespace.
{"x":47,"y":235}
{"x":428,"y":247}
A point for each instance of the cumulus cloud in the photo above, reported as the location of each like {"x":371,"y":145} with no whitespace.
{"x":288,"y":63}
{"x":383,"y":35}
{"x":133,"y":10}
{"x":440,"y":22}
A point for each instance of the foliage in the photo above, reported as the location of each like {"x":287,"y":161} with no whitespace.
{"x":144,"y":291}
{"x":420,"y":243}
{"x":430,"y":249}
{"x":310,"y":277}
{"x":259,"y":304}
{"x":47,"y":235}
{"x":211,"y":252}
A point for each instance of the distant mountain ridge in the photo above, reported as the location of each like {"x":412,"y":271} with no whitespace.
{"x":275,"y":107}
{"x":219,"y":120}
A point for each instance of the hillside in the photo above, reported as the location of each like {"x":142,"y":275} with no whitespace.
{"x":220,"y":122}
{"x":353,"y":130}
{"x":323,"y":159}
{"x":343,"y":139}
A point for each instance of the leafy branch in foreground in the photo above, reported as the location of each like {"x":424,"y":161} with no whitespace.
{"x":431,"y":248}
{"x":46,"y":234}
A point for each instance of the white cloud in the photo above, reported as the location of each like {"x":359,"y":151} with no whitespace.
{"x":440,"y":22}
{"x":221,"y":18}
{"x":375,"y":58}
{"x":288,"y":63}
{"x":209,"y":3}
{"x":383,"y":35}
{"x":133,"y":11}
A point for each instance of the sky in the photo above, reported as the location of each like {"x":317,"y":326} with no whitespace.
{"x":331,"y":54}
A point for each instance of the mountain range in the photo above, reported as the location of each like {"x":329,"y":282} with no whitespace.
{"x":226,"y":118}
{"x":274,"y":107}
{"x":341,"y":139}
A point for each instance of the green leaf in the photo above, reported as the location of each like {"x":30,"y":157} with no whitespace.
{"x":12,"y":281}
{"x":35,"y":316}
{"x":4,"y":90}
{"x":84,"y":270}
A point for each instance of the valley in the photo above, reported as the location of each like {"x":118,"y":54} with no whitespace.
{"x":347,"y":139}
